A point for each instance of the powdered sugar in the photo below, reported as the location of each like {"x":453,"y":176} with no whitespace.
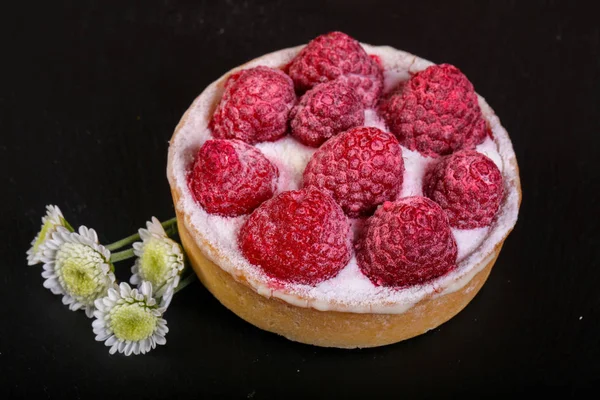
{"x":350,"y":290}
{"x":467,"y":240}
{"x":415,"y":166}
{"x":373,"y":120}
{"x":291,"y":157}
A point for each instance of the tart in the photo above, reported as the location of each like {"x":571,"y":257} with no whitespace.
{"x":342,"y":194}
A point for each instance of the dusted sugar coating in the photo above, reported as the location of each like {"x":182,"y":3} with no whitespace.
{"x":336,"y":54}
{"x":360,"y":168}
{"x":406,"y":242}
{"x":468,"y":186}
{"x":300,"y":236}
{"x":230,"y":177}
{"x":325,"y":111}
{"x":255,"y":106}
{"x":435,"y":112}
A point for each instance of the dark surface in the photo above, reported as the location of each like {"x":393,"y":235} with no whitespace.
{"x":90,"y":93}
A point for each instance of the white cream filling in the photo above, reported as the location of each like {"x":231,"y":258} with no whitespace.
{"x":350,"y":290}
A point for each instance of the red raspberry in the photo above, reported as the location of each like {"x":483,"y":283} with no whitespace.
{"x":301,"y":236}
{"x":255,"y":106}
{"x":435,"y":112}
{"x":407,"y":242}
{"x":332,"y":55}
{"x":468,"y":187}
{"x":230,"y":177}
{"x":360,"y":168}
{"x":325,"y":111}
{"x":368,"y":88}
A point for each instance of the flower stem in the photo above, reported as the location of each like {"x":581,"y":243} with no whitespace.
{"x":169,"y":223}
{"x":189,"y":279}
{"x":170,"y":227}
{"x":122,"y":255}
{"x":123,"y":242}
{"x":171,"y":231}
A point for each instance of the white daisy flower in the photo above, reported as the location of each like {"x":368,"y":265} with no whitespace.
{"x":50,"y":222}
{"x":77,"y":267}
{"x":159,"y":260}
{"x":129,"y":320}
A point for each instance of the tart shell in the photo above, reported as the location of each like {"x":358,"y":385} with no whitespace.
{"x":309,"y":325}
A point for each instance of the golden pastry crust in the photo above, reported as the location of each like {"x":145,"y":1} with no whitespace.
{"x":325,"y":328}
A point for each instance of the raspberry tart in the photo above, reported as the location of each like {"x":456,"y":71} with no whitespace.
{"x":342,"y":194}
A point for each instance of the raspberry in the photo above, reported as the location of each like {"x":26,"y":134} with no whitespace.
{"x":255,"y":106}
{"x":332,"y":55}
{"x":407,"y":242}
{"x":368,"y":88}
{"x":435,"y":112}
{"x":468,"y":187}
{"x":325,"y":111}
{"x":300,"y":236}
{"x":360,"y":168}
{"x":230,"y":177}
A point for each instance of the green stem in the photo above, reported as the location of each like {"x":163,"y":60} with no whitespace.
{"x":123,"y":242}
{"x":169,"y":223}
{"x":182,"y":284}
{"x":121,"y":255}
{"x":171,"y":231}
{"x":170,"y":227}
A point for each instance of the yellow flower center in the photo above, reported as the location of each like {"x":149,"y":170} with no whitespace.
{"x":132,"y":322}
{"x":79,"y":267}
{"x":155,"y":262}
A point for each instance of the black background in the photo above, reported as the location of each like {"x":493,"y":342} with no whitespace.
{"x":90,"y":93}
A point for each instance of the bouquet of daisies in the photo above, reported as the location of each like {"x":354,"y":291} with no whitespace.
{"x":128,"y":319}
